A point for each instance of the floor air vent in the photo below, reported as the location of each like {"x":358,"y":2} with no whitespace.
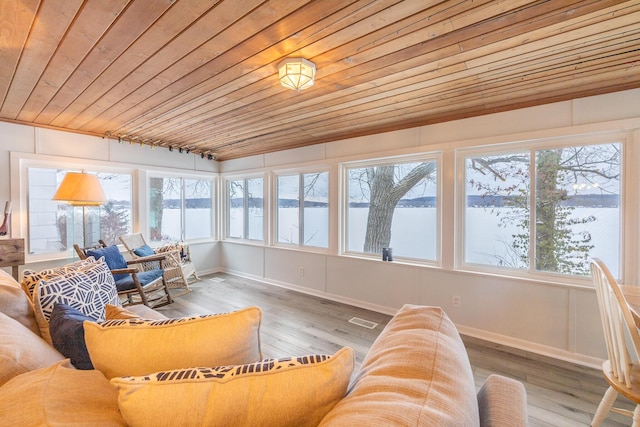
{"x":364,"y":323}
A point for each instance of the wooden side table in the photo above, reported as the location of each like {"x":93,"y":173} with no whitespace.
{"x":12,"y":255}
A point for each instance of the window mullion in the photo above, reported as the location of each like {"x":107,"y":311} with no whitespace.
{"x":532,"y":211}
{"x":245,"y":209}
{"x":300,"y":210}
{"x":182,"y":210}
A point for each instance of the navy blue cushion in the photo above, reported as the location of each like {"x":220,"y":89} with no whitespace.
{"x":112,"y":257}
{"x":144,"y":251}
{"x":67,"y":334}
{"x":144,"y":277}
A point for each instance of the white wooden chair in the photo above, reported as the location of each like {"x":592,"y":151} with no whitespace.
{"x":177,"y":269}
{"x":621,"y":370}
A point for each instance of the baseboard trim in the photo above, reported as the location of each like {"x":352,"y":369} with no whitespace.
{"x":523,"y":345}
{"x":531,"y":347}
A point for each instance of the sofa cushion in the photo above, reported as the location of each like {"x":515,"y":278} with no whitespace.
{"x":15,"y":303}
{"x":112,"y":257}
{"x":113,"y":312}
{"x":30,"y":278}
{"x":144,"y":312}
{"x":67,"y":334}
{"x":502,"y":401}
{"x":59,"y":396}
{"x":22,"y":350}
{"x":295,"y":391}
{"x":138,"y":347}
{"x":87,"y":289}
{"x":416,"y":373}
{"x":137,"y":311}
{"x":143,"y":251}
{"x":126,"y":283}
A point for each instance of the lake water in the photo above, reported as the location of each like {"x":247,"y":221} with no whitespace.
{"x":414,"y":232}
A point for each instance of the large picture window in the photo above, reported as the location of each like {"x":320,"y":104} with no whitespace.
{"x":545,"y":210}
{"x":180,"y":209}
{"x":393,"y":205}
{"x":245,"y":209}
{"x":303,"y":209}
{"x":54,"y":226}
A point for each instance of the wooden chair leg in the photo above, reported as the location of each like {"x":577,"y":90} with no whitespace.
{"x":605,"y":406}
{"x":166,"y":289}
{"x":636,"y":416}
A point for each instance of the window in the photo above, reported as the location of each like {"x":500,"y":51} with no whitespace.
{"x":245,"y":209}
{"x":303,"y":209}
{"x":393,"y":205}
{"x":544,"y":210}
{"x":54,"y":227}
{"x":180,"y":209}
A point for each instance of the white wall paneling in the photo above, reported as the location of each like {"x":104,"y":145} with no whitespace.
{"x":550,"y":318}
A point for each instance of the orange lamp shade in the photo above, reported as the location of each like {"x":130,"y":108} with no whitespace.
{"x":80,"y":189}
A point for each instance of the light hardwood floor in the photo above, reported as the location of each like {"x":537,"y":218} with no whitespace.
{"x":559,"y":393}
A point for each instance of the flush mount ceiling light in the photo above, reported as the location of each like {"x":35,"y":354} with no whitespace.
{"x":296,"y":73}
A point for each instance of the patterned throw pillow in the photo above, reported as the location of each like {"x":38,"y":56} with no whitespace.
{"x":112,"y":256}
{"x":295,"y":391}
{"x":88,"y":289}
{"x":30,"y":278}
{"x":138,"y":346}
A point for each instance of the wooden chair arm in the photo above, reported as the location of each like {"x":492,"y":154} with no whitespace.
{"x":150,"y":258}
{"x":124,"y":271}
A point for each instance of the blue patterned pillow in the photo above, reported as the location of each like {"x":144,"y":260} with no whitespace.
{"x":87,"y":289}
{"x":112,"y":257}
{"x":30,"y":278}
{"x":67,"y":334}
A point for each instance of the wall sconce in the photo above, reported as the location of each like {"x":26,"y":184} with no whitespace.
{"x":296,"y":73}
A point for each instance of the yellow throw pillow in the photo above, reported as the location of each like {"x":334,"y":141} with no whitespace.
{"x":139,"y":347}
{"x":114,"y":312}
{"x":59,"y":395}
{"x":296,"y":391}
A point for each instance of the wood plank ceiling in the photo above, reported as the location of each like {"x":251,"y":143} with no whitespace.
{"x":201,"y":75}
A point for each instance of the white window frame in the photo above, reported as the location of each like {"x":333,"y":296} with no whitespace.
{"x":20,"y":164}
{"x":224,"y":192}
{"x":628,"y":210}
{"x":430,"y":156}
{"x":300,"y":172}
{"x":182,"y":176}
